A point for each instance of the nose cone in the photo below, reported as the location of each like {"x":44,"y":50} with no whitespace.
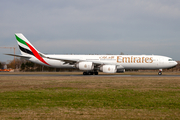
{"x":175,"y":63}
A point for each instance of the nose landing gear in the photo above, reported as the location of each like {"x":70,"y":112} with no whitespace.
{"x":160,"y":72}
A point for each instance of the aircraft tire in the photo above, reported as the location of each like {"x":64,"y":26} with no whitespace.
{"x":159,"y":73}
{"x":95,"y":73}
{"x":89,"y":73}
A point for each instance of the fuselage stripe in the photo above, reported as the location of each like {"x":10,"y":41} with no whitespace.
{"x":26,"y":50}
{"x":20,"y":40}
{"x":36,"y":54}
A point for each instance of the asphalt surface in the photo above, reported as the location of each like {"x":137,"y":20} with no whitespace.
{"x":78,"y":75}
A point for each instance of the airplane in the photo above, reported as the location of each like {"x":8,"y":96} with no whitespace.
{"x":92,"y":64}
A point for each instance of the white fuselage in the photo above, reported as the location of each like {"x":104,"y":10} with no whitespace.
{"x":126,"y":61}
{"x":91,"y":64}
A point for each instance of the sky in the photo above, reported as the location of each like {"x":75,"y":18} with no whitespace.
{"x":134,"y":27}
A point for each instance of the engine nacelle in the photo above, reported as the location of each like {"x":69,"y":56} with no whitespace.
{"x":108,"y":68}
{"x":85,"y":66}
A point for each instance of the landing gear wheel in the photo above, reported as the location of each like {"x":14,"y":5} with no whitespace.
{"x":95,"y":73}
{"x":90,"y":73}
{"x":84,"y":73}
{"x":159,"y":73}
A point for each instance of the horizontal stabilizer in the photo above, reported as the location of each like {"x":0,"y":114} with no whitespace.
{"x":19,"y":56}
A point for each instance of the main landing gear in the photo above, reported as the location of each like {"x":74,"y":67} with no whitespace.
{"x":90,"y":73}
{"x":160,"y":72}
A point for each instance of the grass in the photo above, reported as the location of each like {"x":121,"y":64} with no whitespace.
{"x":89,"y":97}
{"x":73,"y":98}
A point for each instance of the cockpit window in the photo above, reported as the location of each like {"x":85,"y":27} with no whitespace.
{"x":170,"y":59}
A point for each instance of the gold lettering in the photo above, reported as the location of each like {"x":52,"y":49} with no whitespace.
{"x":131,"y":59}
{"x":146,"y":60}
{"x":135,"y":59}
{"x":142,"y":59}
{"x":151,"y":60}
{"x":126,"y":59}
{"x":119,"y":59}
{"x":104,"y":57}
{"x":139,"y":60}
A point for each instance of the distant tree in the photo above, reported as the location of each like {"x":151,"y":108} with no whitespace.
{"x":11,"y":64}
{"x":19,"y":62}
{"x":29,"y":66}
{"x":22,"y":66}
{"x":2,"y":64}
{"x":121,"y":53}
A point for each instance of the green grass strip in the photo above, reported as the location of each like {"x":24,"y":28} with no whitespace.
{"x":88,"y":98}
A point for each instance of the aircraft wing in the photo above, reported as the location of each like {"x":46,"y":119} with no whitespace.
{"x":71,"y":61}
{"x":19,"y":56}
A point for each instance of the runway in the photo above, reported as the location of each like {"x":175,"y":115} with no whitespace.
{"x":79,"y":75}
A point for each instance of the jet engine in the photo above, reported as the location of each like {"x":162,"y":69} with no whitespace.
{"x":85,"y":66}
{"x":108,"y":68}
